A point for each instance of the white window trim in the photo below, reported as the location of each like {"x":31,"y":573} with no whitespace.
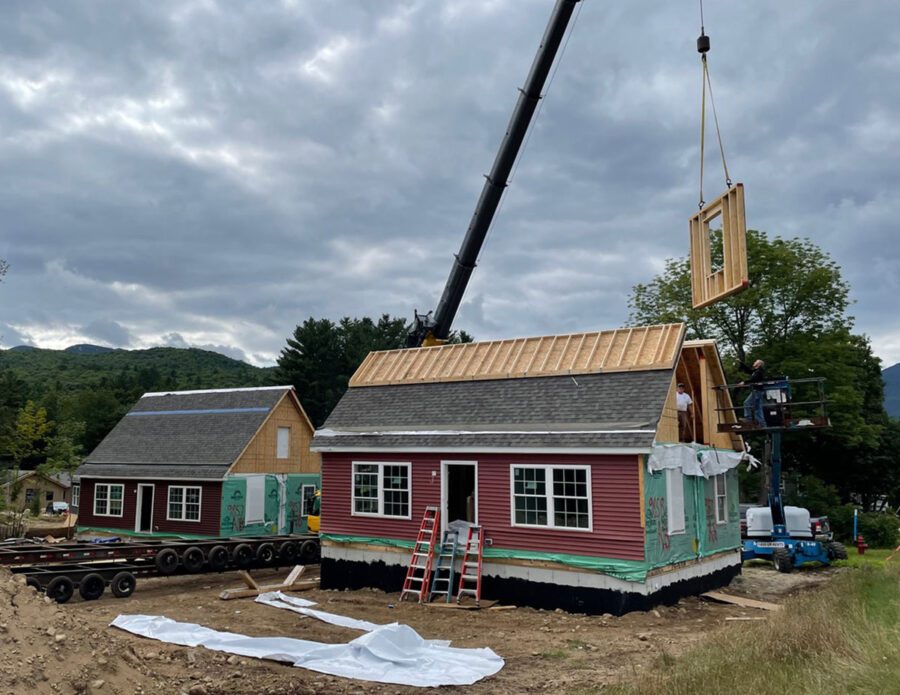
{"x":381,"y":465}
{"x":287,"y":453}
{"x":184,"y":489}
{"x":551,"y":511}
{"x":109,"y":487}
{"x":76,"y":494}
{"x":716,"y":496}
{"x":670,"y":473}
{"x":303,"y":488}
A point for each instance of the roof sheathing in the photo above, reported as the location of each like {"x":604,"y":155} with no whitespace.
{"x":640,"y":348}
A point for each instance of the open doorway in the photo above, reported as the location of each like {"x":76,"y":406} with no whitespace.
{"x":458,"y":490}
{"x":144,"y":515}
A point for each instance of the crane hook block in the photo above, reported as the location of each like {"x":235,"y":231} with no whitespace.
{"x":702,"y":43}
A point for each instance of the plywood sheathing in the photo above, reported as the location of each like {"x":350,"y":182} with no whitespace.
{"x":708,"y":286}
{"x":619,"y":350}
{"x":260,"y":454}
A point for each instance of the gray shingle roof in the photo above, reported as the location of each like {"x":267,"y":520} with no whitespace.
{"x":188,"y":434}
{"x":607,"y":410}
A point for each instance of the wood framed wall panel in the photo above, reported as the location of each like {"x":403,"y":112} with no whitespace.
{"x":709,"y":286}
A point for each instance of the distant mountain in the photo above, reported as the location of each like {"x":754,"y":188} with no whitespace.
{"x":891,"y":377}
{"x":94,"y":367}
{"x":23,"y":348}
{"x":87,"y":349}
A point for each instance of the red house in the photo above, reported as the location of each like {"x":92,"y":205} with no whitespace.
{"x":220,"y":462}
{"x":565,"y":449}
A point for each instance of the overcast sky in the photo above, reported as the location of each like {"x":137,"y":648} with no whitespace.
{"x":212,"y":173}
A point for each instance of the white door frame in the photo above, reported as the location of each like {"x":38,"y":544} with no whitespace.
{"x":445,"y":465}
{"x":138,"y":507}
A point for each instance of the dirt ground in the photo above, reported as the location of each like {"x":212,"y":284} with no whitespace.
{"x":45,"y":648}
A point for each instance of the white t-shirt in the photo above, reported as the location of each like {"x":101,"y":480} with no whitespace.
{"x":683,"y":401}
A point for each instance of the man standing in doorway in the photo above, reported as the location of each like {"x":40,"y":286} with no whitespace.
{"x":684,"y":404}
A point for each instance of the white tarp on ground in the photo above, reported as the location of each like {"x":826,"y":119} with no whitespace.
{"x":276,"y":599}
{"x":386,"y":653}
{"x":696,"y":459}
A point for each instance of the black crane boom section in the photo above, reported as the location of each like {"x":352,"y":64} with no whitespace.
{"x":426,"y":328}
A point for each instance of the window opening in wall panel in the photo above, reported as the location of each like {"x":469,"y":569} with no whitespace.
{"x":283,"y":443}
{"x":551,"y":496}
{"x":308,"y":495}
{"x":76,"y":494}
{"x":675,"y":500}
{"x":382,"y":489}
{"x":721,"y":499}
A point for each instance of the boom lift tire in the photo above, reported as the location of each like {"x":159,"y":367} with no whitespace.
{"x":265,"y":553}
{"x":123,"y":585}
{"x":166,"y":561}
{"x":60,"y":589}
{"x":218,"y":558}
{"x":836,"y":550}
{"x":91,"y":587}
{"x":287,"y":552}
{"x":782,"y":560}
{"x":192,"y":559}
{"x":243,"y":556}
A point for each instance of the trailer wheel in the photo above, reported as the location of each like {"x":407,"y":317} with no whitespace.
{"x":243,"y":556}
{"x":123,"y":585}
{"x":33,"y":583}
{"x":60,"y":589}
{"x":218,"y":558}
{"x":309,"y":552}
{"x":91,"y":587}
{"x":166,"y":561}
{"x":287,"y":552}
{"x":192,"y":559}
{"x":782,"y":560}
{"x":265,"y":553}
{"x":836,"y":550}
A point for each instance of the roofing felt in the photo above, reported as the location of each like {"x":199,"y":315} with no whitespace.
{"x":187,"y":434}
{"x":610,"y":410}
{"x":622,"y":349}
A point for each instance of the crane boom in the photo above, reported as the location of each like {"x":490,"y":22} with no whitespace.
{"x":435,"y":328}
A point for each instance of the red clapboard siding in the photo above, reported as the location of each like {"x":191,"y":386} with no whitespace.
{"x":615,"y":490}
{"x":210,"y":507}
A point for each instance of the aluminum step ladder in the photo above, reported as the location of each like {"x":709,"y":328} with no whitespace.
{"x":445,"y":568}
{"x":470,"y":573}
{"x":419,"y":572}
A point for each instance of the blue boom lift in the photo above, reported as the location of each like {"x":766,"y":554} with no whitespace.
{"x":789,"y":405}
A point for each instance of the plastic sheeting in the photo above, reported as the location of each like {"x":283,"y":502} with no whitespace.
{"x":385,"y":654}
{"x":695,"y":459}
{"x":276,"y":599}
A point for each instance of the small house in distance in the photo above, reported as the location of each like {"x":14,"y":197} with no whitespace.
{"x":220,"y":462}
{"x":564,"y":449}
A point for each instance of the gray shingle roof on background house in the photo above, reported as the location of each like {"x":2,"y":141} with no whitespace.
{"x":594,"y":411}
{"x":187,"y":434}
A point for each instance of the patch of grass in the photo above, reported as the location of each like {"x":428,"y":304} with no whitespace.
{"x":842,"y":638}
{"x":555,"y":654}
{"x":872,"y":558}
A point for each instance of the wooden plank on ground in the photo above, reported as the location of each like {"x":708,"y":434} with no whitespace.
{"x":248,"y":580}
{"x":741,"y":601}
{"x":462,"y":606}
{"x":738,"y":618}
{"x":229,"y":594}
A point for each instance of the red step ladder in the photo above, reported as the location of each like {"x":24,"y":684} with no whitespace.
{"x":419,"y":573}
{"x":470,"y":574}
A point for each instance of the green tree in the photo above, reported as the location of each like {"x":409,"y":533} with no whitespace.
{"x":64,"y":449}
{"x":795,"y":287}
{"x":30,"y":435}
{"x":794,"y":316}
{"x":321,"y":356}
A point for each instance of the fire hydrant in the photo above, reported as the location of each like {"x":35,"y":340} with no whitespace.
{"x":861,"y":545}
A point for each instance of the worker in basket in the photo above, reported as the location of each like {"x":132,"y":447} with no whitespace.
{"x":753,"y":405}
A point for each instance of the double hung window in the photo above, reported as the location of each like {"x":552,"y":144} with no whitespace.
{"x":551,"y":496}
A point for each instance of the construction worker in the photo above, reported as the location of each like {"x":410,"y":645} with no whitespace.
{"x":753,"y":405}
{"x":684,"y":404}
